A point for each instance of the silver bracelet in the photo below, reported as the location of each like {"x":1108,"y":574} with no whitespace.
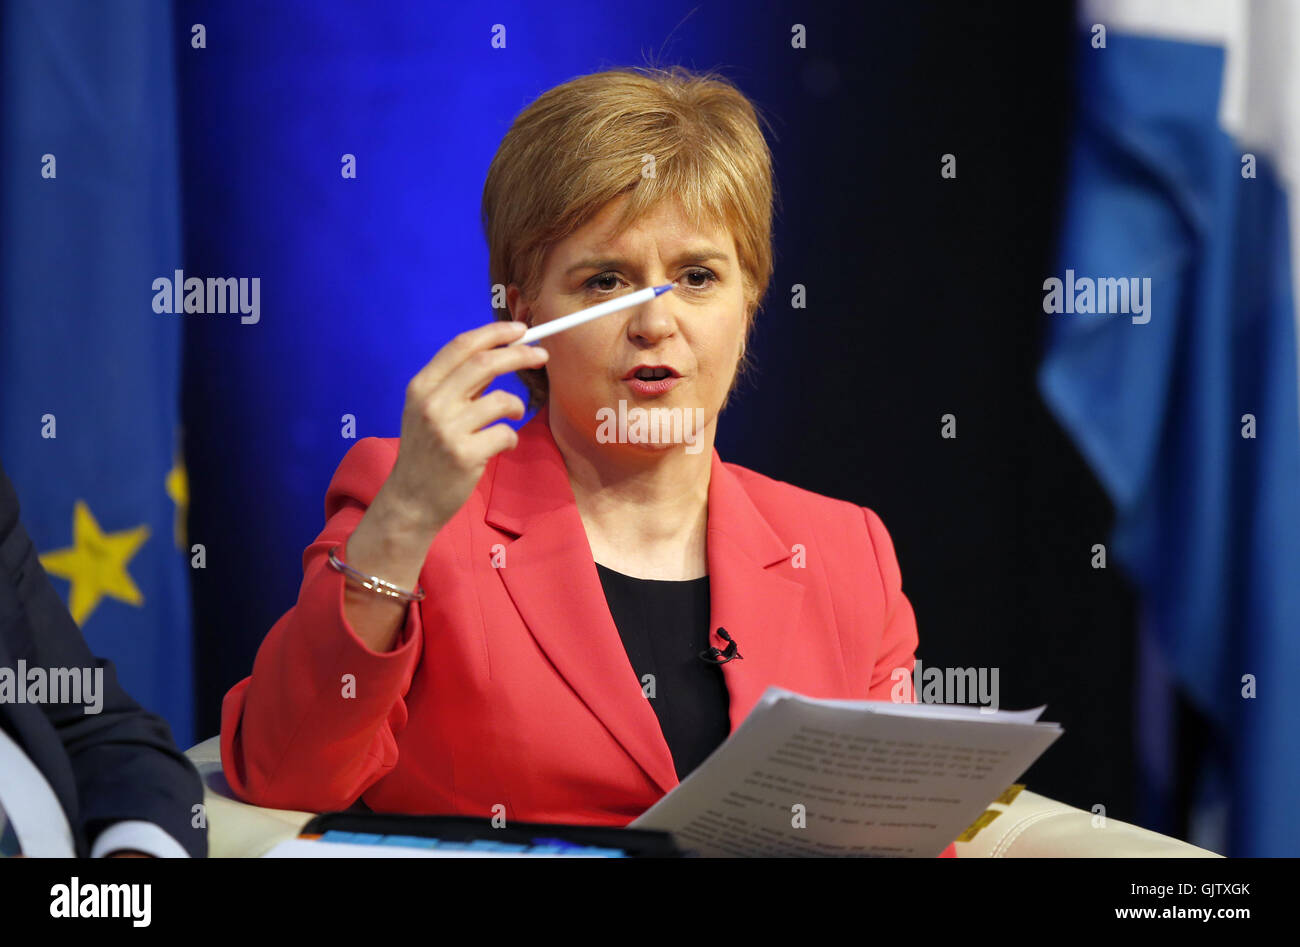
{"x":373,"y":583}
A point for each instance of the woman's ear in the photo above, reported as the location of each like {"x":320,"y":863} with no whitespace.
{"x":520,"y":310}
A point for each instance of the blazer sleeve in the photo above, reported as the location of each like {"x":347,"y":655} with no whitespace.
{"x":897,"y":649}
{"x":315,"y":725}
{"x":126,"y":765}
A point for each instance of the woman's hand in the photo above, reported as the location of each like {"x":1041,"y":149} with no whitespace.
{"x":446,"y":441}
{"x":448,"y":436}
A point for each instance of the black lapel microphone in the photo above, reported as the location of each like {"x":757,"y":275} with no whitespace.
{"x":714,"y":656}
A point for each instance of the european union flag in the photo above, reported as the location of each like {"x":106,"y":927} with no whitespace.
{"x":89,"y":374}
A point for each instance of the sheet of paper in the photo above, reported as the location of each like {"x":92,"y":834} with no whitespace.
{"x":947,"y":711}
{"x":848,"y":778}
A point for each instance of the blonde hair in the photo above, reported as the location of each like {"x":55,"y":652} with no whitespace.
{"x":580,"y":145}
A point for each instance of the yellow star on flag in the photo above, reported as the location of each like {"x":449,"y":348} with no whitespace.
{"x":96,"y":563}
{"x":177,"y":485}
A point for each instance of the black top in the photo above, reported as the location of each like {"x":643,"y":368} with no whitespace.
{"x":664,"y":626}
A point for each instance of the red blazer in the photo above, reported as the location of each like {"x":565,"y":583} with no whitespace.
{"x":509,"y":683}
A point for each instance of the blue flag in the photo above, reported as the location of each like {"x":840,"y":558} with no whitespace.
{"x":89,"y":373}
{"x":1183,"y":396}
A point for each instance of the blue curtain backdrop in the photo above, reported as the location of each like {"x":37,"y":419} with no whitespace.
{"x":89,"y":374}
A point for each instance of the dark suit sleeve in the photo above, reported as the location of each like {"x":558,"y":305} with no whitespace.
{"x":125,"y":761}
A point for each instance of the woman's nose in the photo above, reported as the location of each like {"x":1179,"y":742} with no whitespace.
{"x":652,"y":320}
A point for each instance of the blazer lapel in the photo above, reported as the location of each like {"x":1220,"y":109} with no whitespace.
{"x":551,"y":577}
{"x":759,"y":607}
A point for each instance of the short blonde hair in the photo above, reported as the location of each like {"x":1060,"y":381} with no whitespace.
{"x":580,"y":145}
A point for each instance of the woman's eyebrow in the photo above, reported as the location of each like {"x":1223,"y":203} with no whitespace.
{"x":704,"y":255}
{"x":608,"y":263}
{"x":695,"y":255}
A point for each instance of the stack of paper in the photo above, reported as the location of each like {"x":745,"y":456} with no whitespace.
{"x":808,"y":777}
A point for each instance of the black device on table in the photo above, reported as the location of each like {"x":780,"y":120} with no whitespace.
{"x":632,"y":843}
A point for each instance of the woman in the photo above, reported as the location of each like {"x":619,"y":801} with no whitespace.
{"x":530,"y":591}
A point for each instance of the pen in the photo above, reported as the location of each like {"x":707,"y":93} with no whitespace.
{"x":592,"y":312}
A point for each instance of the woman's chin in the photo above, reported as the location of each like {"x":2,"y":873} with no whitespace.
{"x":635,"y":448}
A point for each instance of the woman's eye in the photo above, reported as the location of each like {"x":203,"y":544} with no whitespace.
{"x":699,"y":279}
{"x":606,"y":282}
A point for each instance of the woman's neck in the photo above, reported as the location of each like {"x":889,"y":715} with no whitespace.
{"x":645,"y":511}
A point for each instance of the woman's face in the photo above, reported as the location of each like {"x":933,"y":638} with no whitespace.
{"x":697,"y":330}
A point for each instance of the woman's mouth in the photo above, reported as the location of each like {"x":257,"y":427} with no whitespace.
{"x":648,"y":381}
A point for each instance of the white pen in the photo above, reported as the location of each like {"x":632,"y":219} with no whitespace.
{"x":592,"y":312}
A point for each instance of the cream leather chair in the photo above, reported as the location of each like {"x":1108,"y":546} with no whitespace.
{"x":236,"y":829}
{"x":1029,"y":826}
{"x":1033,"y":826}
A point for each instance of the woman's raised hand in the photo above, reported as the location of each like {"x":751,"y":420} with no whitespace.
{"x":448,"y":436}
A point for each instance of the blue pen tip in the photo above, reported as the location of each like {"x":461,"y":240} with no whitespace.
{"x":660,"y":290}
